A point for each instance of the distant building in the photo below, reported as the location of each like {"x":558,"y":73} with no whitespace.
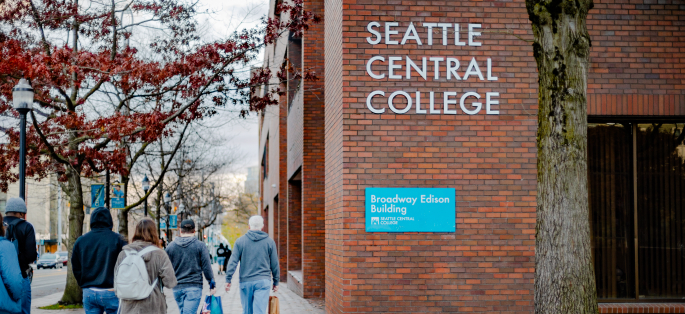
{"x":252,"y":181}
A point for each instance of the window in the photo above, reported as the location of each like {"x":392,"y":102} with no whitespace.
{"x":636,"y":194}
{"x":294,"y":53}
{"x":265,"y":159}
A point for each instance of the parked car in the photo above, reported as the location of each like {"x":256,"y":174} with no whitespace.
{"x":64,"y":256}
{"x":49,"y":261}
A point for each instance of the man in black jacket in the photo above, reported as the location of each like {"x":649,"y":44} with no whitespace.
{"x":93,"y":260}
{"x":21,"y":232}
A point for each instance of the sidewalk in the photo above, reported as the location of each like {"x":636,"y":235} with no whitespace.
{"x":290,"y":302}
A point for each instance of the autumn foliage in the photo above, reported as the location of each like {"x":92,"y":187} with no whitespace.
{"x":93,"y":89}
{"x":112,"y":76}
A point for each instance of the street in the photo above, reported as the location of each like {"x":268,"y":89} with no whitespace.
{"x":48,"y":281}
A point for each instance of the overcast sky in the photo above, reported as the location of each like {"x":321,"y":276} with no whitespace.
{"x":225,"y":17}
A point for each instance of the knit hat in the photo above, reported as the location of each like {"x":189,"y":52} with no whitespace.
{"x":15,"y":205}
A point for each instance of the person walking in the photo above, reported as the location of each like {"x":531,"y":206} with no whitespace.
{"x":190,"y":259}
{"x":21,"y":232}
{"x":221,"y":257}
{"x":10,"y":276}
{"x":258,"y":259}
{"x":92,"y":262}
{"x":159,"y":270}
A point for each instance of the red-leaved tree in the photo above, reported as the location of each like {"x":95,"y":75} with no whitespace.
{"x":100,"y":86}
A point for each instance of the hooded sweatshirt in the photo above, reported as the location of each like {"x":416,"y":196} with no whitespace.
{"x":258,"y":258}
{"x":95,"y":253}
{"x":190,"y":259}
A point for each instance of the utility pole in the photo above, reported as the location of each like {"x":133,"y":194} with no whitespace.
{"x":59,"y":217}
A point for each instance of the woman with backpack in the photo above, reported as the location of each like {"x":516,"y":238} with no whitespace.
{"x":143,"y":295}
{"x":10,"y":276}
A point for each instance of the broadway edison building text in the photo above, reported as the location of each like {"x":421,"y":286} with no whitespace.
{"x":438,"y":99}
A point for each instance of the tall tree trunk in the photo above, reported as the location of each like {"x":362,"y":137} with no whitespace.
{"x":564,"y":274}
{"x":72,"y":291}
{"x":123,"y":214}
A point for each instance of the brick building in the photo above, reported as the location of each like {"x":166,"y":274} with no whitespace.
{"x":435,"y":94}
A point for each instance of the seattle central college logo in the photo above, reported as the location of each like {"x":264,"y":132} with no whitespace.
{"x":375,"y":221}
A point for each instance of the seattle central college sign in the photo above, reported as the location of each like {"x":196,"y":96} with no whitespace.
{"x":391,"y":67}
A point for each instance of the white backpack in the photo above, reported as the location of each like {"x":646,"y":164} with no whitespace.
{"x":131,"y":277}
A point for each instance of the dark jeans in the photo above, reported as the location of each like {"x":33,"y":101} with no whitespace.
{"x":97,"y":302}
{"x":26,"y":299}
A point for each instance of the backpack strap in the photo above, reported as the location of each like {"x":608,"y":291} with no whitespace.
{"x":10,"y":235}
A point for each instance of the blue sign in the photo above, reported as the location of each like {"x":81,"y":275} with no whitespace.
{"x":162,"y":225}
{"x":173,"y":222}
{"x":410,"y":210}
{"x":97,"y":195}
{"x":117,"y":196}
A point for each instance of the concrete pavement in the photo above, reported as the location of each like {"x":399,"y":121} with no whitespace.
{"x":290,"y":303}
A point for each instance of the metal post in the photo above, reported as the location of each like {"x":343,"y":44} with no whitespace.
{"x":22,"y":153}
{"x":107,"y":189}
{"x":168,"y":222}
{"x":59,"y":217}
{"x":145,"y":207}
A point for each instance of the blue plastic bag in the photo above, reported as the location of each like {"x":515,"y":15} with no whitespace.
{"x":212,"y":305}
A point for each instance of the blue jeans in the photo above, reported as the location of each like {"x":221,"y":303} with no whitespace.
{"x":97,"y":302}
{"x":188,"y":299}
{"x":254,"y":296}
{"x":26,"y":299}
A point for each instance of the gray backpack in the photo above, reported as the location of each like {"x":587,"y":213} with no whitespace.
{"x":131,"y":277}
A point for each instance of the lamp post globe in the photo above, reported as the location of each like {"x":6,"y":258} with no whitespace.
{"x":22,"y":99}
{"x":146,"y":187}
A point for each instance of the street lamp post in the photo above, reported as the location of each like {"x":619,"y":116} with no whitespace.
{"x":146,"y":187}
{"x":22,"y":97}
{"x":167,"y":202}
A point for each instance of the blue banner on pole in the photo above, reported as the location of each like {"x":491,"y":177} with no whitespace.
{"x":173,"y":221}
{"x":97,"y":195}
{"x":410,"y":210}
{"x":162,"y":225}
{"x":117,"y":196}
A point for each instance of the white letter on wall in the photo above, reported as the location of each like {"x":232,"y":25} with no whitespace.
{"x":369,"y":27}
{"x":418,"y":104}
{"x":392,"y":67}
{"x":389,"y":32}
{"x":457,"y":41}
{"x":370,"y":63}
{"x":411,"y":64}
{"x":370,"y":97}
{"x":475,"y":104}
{"x":436,"y":68}
{"x":415,"y":36}
{"x":473,"y":34}
{"x":447,"y":101}
{"x":392,"y":107}
{"x":490,"y":77}
{"x":489,"y":102}
{"x":452,"y":69}
{"x":473,"y":69}
{"x":432,"y":104}
{"x":430,"y":26}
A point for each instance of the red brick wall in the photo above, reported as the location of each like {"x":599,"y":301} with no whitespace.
{"x":334,"y":157}
{"x":313,"y":168}
{"x":487,"y":264}
{"x":283,"y":186}
{"x":637,"y":53}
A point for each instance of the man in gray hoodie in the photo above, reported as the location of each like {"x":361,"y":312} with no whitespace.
{"x":190,"y":259}
{"x":258,"y":259}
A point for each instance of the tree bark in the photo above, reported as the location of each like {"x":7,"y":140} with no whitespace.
{"x":72,"y":291}
{"x":564,"y":274}
{"x":123,"y":213}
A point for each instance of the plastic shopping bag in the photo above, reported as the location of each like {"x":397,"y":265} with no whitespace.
{"x":212,"y":305}
{"x":273,"y":305}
